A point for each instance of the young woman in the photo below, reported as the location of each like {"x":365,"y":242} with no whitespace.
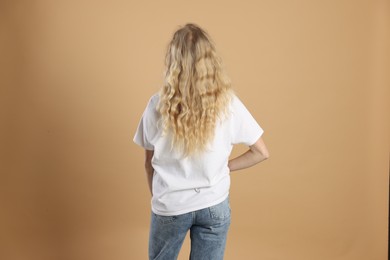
{"x":188,"y":130}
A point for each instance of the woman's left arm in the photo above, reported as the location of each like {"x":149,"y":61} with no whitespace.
{"x":149,"y":169}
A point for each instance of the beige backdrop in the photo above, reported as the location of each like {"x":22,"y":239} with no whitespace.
{"x":76,"y":76}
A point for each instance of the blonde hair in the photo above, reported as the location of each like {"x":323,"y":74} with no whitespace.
{"x":196,"y":90}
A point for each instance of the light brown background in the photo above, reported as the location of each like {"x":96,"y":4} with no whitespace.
{"x":76,"y":76}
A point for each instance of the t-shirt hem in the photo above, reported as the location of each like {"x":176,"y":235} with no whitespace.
{"x":187,"y":210}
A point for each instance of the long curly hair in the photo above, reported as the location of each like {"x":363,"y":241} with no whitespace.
{"x":196,"y":90}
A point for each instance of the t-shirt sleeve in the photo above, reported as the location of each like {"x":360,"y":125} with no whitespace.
{"x":141,"y":137}
{"x":244,"y":129}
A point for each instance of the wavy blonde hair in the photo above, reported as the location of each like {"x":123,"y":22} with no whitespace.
{"x":196,"y":90}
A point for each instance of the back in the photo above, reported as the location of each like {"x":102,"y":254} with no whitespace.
{"x":181,"y":185}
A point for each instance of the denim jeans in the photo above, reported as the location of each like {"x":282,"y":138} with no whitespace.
{"x":208,"y":232}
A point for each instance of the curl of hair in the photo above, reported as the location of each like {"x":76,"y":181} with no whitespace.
{"x":196,"y":91}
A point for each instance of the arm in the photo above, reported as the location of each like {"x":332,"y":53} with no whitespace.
{"x":257,"y":152}
{"x":149,"y":169}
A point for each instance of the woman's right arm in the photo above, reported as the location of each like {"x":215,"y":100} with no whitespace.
{"x":149,"y":169}
{"x":257,"y":152}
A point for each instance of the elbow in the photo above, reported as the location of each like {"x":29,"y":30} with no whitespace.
{"x":260,"y":150}
{"x":259,"y":157}
{"x":263,"y":156}
{"x":265,"y":153}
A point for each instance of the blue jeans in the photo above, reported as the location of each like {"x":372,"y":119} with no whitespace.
{"x":208,"y":231}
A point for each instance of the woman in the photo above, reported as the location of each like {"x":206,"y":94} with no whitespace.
{"x":188,"y":130}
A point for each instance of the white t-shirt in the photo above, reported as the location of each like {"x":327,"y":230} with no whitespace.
{"x":181,"y":185}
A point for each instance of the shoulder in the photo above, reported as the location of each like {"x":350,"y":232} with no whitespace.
{"x":239,"y":109}
{"x":155,"y":97}
{"x":152,"y":102}
{"x":150,"y":112}
{"x":236,"y":103}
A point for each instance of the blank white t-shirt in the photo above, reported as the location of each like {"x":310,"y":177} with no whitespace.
{"x":181,"y":185}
